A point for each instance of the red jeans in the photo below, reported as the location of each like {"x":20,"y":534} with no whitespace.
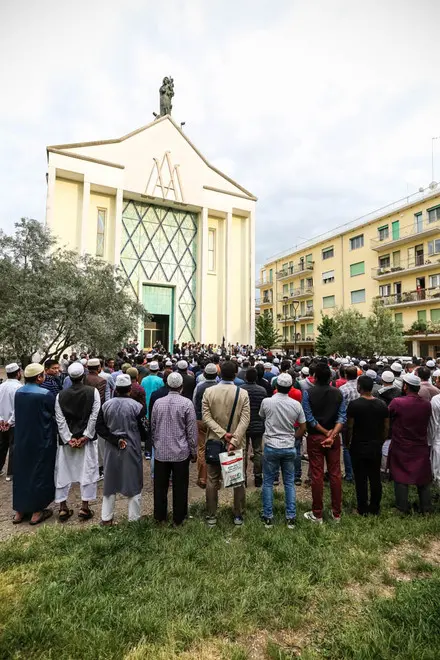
{"x":332,"y":455}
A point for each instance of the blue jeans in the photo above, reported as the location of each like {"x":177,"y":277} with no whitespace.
{"x":273,"y":460}
{"x":347,"y":464}
{"x":298,"y":466}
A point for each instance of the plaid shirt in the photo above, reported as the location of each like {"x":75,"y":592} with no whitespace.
{"x":174,"y":428}
{"x":349,"y":391}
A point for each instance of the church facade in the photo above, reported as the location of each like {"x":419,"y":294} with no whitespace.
{"x":181,"y":232}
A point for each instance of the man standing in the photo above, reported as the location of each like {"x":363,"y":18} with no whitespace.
{"x":137,"y":392}
{"x":35,"y":448}
{"x":409,"y":454}
{"x":434,"y":432}
{"x":350,"y":393}
{"x":52,"y":380}
{"x":427,"y":389}
{"x":189,"y":382}
{"x":120,"y":424}
{"x":152,"y":382}
{"x":210,"y":379}
{"x":76,"y":412}
{"x":225,"y":406}
{"x":174,"y":436}
{"x":367,"y":429}
{"x":7,"y":418}
{"x":281,"y":414}
{"x":325,"y":412}
{"x":255,"y":430}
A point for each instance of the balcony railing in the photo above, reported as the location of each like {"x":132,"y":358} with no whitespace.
{"x":421,"y":262}
{"x":306,"y":339}
{"x":296,"y":269}
{"x":409,"y":231}
{"x":420,"y":297}
{"x":296,"y":293}
{"x":260,"y":283}
{"x":298,"y":318}
{"x":308,"y":314}
{"x":264,"y":300}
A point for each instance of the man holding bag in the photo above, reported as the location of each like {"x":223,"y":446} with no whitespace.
{"x":226,"y":413}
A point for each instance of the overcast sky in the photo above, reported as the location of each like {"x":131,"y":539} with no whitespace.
{"x":324,"y":109}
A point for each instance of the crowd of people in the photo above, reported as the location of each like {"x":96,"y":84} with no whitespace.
{"x":85,"y":419}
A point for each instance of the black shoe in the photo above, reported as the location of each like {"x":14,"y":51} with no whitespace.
{"x":349,"y":481}
{"x":238,"y":521}
{"x":290,"y":523}
{"x":258,"y":481}
{"x":276,"y":483}
{"x":268,"y":523}
{"x":298,"y":482}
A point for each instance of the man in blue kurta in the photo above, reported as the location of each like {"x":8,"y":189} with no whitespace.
{"x":35,"y":448}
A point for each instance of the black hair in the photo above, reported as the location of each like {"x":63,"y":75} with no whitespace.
{"x":365,"y":384}
{"x":13,"y":374}
{"x":260,"y":370}
{"x":210,"y":376}
{"x":50,"y":363}
{"x":123,"y":390}
{"x":424,"y":373}
{"x":283,"y":389}
{"x":228,"y":370}
{"x":251,"y":375}
{"x":322,"y":373}
{"x":412,"y":388}
{"x":285,"y":365}
{"x":351,"y":372}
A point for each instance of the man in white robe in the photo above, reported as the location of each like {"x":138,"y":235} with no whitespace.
{"x":434,"y":431}
{"x":76,"y":412}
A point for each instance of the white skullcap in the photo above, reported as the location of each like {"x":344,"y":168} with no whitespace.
{"x":396,"y":366}
{"x":430,"y":364}
{"x":83,"y":361}
{"x":436,"y":373}
{"x":345,"y":361}
{"x":76,"y":370}
{"x":379,"y":363}
{"x":371,"y":373}
{"x":338,"y":360}
{"x":175,"y":381}
{"x":33,"y":369}
{"x":240,"y":359}
{"x":93,"y":362}
{"x":168,"y":363}
{"x":385,"y":360}
{"x":267,"y":365}
{"x":12,"y":368}
{"x":305,"y":371}
{"x":182,"y":365}
{"x":276,"y":361}
{"x":412,"y":379}
{"x":149,"y":356}
{"x":210,"y":368}
{"x":123,"y":380}
{"x":362,"y":363}
{"x":388,"y":377}
{"x":154,"y":366}
{"x":284,"y":380}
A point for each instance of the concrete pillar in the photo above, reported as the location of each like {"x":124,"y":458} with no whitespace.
{"x":50,"y":196}
{"x":203,"y":303}
{"x":84,"y":217}
{"x":228,"y":276}
{"x":416,"y":347}
{"x":251,"y":227}
{"x":118,"y":226}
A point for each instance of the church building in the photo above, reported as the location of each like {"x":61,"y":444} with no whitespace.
{"x":181,"y":232}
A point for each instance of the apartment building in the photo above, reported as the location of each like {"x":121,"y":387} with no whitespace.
{"x":392,"y":253}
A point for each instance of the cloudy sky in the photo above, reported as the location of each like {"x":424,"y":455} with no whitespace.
{"x":324,"y":109}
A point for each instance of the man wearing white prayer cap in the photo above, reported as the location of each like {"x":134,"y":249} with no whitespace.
{"x":189,"y":382}
{"x":434,"y":431}
{"x":7,"y":419}
{"x":409,"y":456}
{"x":120,"y":424}
{"x":76,"y":412}
{"x":397,"y":369}
{"x":174,"y":436}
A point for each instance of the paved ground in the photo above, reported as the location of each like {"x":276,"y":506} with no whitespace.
{"x":7,"y":529}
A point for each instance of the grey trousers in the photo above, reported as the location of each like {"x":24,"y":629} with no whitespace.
{"x":401,"y":494}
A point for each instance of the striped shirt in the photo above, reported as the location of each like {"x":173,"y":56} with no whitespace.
{"x":174,"y":428}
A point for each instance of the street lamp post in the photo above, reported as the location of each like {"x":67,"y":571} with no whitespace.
{"x":295,"y":304}
{"x":285,"y":299}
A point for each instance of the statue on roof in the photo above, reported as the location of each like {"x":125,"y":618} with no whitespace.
{"x":166,"y":92}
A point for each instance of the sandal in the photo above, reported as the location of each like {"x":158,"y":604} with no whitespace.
{"x":16,"y":521}
{"x":44,"y":515}
{"x":107,"y":523}
{"x":65,"y":514}
{"x":85,"y":514}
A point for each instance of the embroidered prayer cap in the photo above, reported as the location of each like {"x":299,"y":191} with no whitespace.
{"x":267,"y":365}
{"x":284,"y":380}
{"x":168,"y":363}
{"x":396,"y":366}
{"x":412,"y":379}
{"x":174,"y":381}
{"x":388,"y":377}
{"x":371,"y":373}
{"x":93,"y":362}
{"x":182,"y":365}
{"x":33,"y":369}
{"x":430,"y":364}
{"x":305,"y":371}
{"x":76,"y":370}
{"x":210,"y":368}
{"x":154,"y":366}
{"x":123,"y":380}
{"x":12,"y":368}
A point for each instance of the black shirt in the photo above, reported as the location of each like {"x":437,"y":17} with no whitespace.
{"x":369,"y":416}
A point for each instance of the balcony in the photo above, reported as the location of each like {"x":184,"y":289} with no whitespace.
{"x":412,"y":298}
{"x":264,"y":300}
{"x":420,"y":263}
{"x":306,"y":339}
{"x":262,"y":283}
{"x":308,"y":314}
{"x":304,"y":292}
{"x":416,"y":229}
{"x":296,"y":269}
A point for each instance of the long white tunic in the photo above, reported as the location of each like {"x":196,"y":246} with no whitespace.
{"x":77,"y":465}
{"x":434,"y":437}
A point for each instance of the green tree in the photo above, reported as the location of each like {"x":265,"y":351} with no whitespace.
{"x":349,"y":333}
{"x":325,"y":329}
{"x":383,"y":334}
{"x":53,"y":299}
{"x":266,"y":334}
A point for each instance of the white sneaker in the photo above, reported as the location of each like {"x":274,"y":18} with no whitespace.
{"x":337,"y":519}
{"x":309,"y":515}
{"x":8,"y":478}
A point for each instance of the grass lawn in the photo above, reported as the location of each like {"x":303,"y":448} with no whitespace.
{"x":364,"y":589}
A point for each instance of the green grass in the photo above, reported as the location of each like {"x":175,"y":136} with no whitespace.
{"x":138,"y":591}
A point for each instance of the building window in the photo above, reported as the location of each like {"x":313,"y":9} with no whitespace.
{"x":385,"y":290}
{"x":309,"y":305}
{"x":434,"y":280}
{"x":100,"y":232}
{"x":435,"y":315}
{"x":357,"y":269}
{"x":383,"y":232}
{"x":328,"y":276}
{"x":434,"y":214}
{"x":309,"y":328}
{"x":357,"y":242}
{"x":434,"y":247}
{"x":211,"y":250}
{"x":398,"y":318}
{"x":263,"y":276}
{"x":418,"y":222}
{"x":285,"y":289}
{"x":271,"y":275}
{"x":396,"y":259}
{"x":328,"y":301}
{"x":421,"y":315}
{"x":328,"y":253}
{"x":358,"y":296}
{"x":384,"y":262}
{"x":309,"y":258}
{"x":309,"y":282}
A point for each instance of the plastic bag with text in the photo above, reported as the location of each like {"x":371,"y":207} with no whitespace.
{"x":232,"y":468}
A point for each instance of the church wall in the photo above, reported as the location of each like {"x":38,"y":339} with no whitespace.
{"x":107,"y":202}
{"x":239,"y":303}
{"x":214,"y":313}
{"x":67,"y":216}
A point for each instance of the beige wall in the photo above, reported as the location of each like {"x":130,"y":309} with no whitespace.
{"x":67,"y":210}
{"x":107,"y":202}
{"x":215,"y":316}
{"x":239,"y":300}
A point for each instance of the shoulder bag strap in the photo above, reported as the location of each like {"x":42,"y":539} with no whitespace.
{"x":231,"y":418}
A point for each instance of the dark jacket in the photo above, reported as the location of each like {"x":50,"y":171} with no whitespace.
{"x":256,"y":395}
{"x":200,"y":391}
{"x":189,"y":385}
{"x":264,"y":383}
{"x":94,"y":380}
{"x":76,"y":404}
